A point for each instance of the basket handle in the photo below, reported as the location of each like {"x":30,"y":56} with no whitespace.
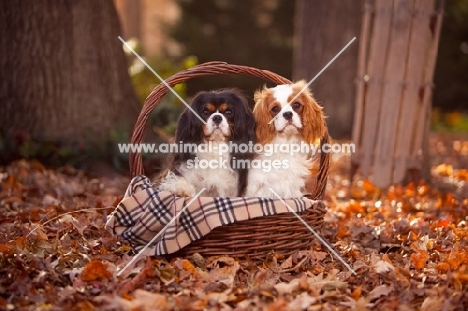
{"x":205,"y":69}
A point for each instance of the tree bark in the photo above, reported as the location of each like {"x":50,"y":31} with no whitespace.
{"x":63,"y":71}
{"x":322,"y":29}
{"x":130,"y":17}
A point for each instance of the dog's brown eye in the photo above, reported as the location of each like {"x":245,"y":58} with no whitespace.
{"x":275,"y":109}
{"x":228,"y":111}
{"x":206,"y":112}
{"x":296,"y":105}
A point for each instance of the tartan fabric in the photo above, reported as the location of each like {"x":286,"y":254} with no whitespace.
{"x":145,"y":211}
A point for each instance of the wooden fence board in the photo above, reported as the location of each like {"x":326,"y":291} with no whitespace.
{"x":418,"y":50}
{"x":378,"y":55}
{"x":392,"y":92}
{"x":360,"y":79}
{"x":415,"y":161}
{"x":391,"y":117}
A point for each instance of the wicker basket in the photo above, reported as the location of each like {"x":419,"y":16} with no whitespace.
{"x":255,"y":238}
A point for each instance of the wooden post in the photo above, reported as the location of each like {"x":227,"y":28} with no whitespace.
{"x":393,"y":103}
{"x":377,"y":58}
{"x":360,"y":78}
{"x":392,"y":93}
{"x":417,"y":60}
{"x":423,"y":128}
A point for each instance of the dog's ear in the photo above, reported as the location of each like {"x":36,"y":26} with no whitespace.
{"x":244,"y":123}
{"x":189,"y":129}
{"x":186,"y":131}
{"x":242,"y":133}
{"x":250,"y":127}
{"x":265,"y":132}
{"x":313,"y":119}
{"x":248,"y":135}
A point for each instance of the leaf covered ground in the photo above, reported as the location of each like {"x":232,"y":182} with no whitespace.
{"x":407,"y":244}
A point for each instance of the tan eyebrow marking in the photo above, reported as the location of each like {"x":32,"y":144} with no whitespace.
{"x":210,"y":107}
{"x":223,"y":107}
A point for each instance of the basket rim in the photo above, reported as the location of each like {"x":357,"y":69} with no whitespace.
{"x":205,"y":69}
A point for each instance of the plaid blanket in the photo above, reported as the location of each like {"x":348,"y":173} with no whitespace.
{"x":144,"y":212}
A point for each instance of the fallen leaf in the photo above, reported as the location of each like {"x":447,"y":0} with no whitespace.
{"x":383,"y":266}
{"x":144,"y":300}
{"x":302,"y":302}
{"x":432,"y":303}
{"x":287,"y":288}
{"x":356,"y":294}
{"x":146,"y":273}
{"x":379,"y":291}
{"x":457,"y":256}
{"x":419,"y":259}
{"x":97,"y":270}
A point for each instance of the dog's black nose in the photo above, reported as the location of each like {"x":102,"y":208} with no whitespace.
{"x":288,"y":115}
{"x":217,"y":119}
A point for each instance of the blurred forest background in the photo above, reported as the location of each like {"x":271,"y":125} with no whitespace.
{"x":69,"y":66}
{"x":264,"y":34}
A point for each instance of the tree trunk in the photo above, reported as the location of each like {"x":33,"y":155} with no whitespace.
{"x":322,"y":29}
{"x":63,"y":71}
{"x":130,"y":17}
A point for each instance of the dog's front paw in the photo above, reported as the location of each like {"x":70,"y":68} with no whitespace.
{"x":188,"y":191}
{"x":178,"y":186}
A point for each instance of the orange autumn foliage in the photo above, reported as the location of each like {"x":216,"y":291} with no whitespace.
{"x":356,"y":294}
{"x":419,"y":259}
{"x":458,"y":256}
{"x":96,"y":270}
{"x":443,"y":266}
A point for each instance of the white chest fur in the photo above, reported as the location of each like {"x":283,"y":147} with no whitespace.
{"x":211,"y":169}
{"x":289,"y":180}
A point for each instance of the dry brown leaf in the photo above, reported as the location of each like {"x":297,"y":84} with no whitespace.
{"x":457,"y":256}
{"x":144,"y":300}
{"x":97,"y":270}
{"x":379,"y":291}
{"x":382,"y":234}
{"x":288,"y":263}
{"x":432,"y":303}
{"x":356,"y":294}
{"x":382,"y":266}
{"x":146,"y":273}
{"x":225,"y":274}
{"x":302,"y":302}
{"x":419,"y":259}
{"x":287,"y":288}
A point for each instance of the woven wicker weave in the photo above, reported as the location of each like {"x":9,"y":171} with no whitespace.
{"x":255,"y":238}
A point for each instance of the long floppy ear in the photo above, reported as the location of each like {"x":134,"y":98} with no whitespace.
{"x":249,"y":136}
{"x":243,"y":133}
{"x":245,"y":125}
{"x":264,"y":132}
{"x":313,"y":119}
{"x":189,"y":128}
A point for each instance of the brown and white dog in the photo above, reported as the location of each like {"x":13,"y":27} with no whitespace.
{"x":301,"y":121}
